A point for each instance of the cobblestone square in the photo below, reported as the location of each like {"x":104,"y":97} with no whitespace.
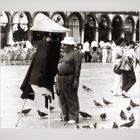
{"x":97,"y":76}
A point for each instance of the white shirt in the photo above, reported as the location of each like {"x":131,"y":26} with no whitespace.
{"x":101,"y":44}
{"x":131,"y":53}
{"x":28,"y":44}
{"x":86,"y":47}
{"x":94,"y":44}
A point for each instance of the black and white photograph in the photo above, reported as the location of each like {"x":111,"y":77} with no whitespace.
{"x":70,"y":69}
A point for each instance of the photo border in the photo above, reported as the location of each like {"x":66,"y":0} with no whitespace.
{"x":71,"y":5}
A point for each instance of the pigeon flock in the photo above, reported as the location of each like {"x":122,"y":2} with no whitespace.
{"x":102,"y":116}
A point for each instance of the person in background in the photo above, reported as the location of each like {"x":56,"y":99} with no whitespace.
{"x":113,"y":48}
{"x":137,"y":63}
{"x":118,"y":53}
{"x":68,"y":81}
{"x":86,"y":50}
{"x":129,"y":78}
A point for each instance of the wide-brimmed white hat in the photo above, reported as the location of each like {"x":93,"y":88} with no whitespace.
{"x":68,"y":40}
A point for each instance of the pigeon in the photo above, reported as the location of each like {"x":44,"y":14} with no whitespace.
{"x":133,"y":104}
{"x":115,"y":126}
{"x":77,"y":126}
{"x":51,"y":108}
{"x":106,"y":102}
{"x":86,"y":88}
{"x":95,"y":125}
{"x":90,"y":126}
{"x":85,"y":115}
{"x":25,"y":111}
{"x":97,"y":103}
{"x":41,"y":114}
{"x":103,"y":116}
{"x":123,"y":115}
{"x":128,"y":108}
{"x":86,"y":126}
{"x":131,"y":118}
{"x":128,"y":124}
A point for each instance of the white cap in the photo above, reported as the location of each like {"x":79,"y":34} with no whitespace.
{"x":68,"y":41}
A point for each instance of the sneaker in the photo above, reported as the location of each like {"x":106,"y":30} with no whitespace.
{"x":71,"y":122}
{"x":58,"y":119}
{"x":125,"y":96}
{"x":124,"y":92}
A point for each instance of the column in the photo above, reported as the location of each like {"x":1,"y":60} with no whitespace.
{"x":122,"y":34}
{"x":9,"y":34}
{"x":82,"y":35}
{"x":110,"y":34}
{"x":134,"y":35}
{"x":97,"y":34}
{"x":29,"y":35}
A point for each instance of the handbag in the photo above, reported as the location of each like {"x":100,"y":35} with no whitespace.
{"x":117,"y":69}
{"x":126,"y":64}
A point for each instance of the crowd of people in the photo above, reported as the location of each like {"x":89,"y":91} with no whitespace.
{"x":18,"y":52}
{"x":104,"y":51}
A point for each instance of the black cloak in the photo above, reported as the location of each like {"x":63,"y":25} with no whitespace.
{"x":43,"y":68}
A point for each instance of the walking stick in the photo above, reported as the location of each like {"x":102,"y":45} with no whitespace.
{"x":61,"y":110}
{"x":48,"y":113}
{"x":21,"y":112}
{"x":59,"y":102}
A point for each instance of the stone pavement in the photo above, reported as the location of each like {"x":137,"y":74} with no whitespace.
{"x":97,"y":76}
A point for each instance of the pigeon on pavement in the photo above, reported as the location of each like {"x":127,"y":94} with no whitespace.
{"x":85,"y":115}
{"x":131,"y":118}
{"x":128,"y":108}
{"x":128,"y":124}
{"x":115,"y":126}
{"x":106,"y":102}
{"x":25,"y":111}
{"x":97,"y":103}
{"x":133,"y":104}
{"x":123,"y":115}
{"x":103,"y":116}
{"x":41,"y":114}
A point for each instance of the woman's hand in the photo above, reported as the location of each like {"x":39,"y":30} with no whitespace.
{"x":75,"y":84}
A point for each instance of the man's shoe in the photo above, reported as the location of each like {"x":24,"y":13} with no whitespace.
{"x":71,"y":122}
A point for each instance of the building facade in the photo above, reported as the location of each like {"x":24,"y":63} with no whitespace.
{"x":89,"y":26}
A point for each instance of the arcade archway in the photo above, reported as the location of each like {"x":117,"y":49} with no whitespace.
{"x":103,"y":28}
{"x":90,"y":28}
{"x":4,"y":28}
{"x":116,"y":28}
{"x":74,"y":24}
{"x":129,"y":26}
{"x":20,"y":26}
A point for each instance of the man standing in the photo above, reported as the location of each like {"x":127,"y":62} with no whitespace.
{"x":86,"y":50}
{"x":68,"y":81}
